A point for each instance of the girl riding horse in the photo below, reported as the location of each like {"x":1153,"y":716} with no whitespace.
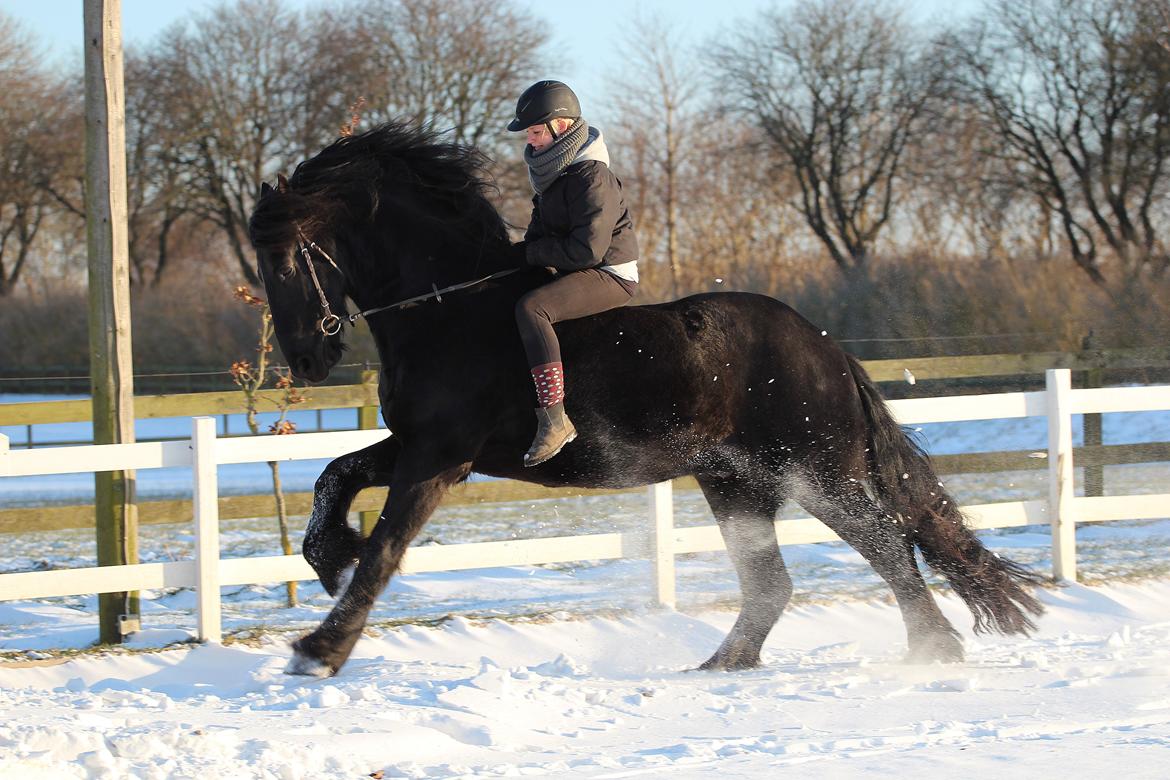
{"x":582,"y":228}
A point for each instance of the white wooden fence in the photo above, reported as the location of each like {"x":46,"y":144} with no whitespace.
{"x":207,"y":572}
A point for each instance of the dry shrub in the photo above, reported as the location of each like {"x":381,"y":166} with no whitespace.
{"x":900,"y":305}
{"x":188,"y":322}
{"x":919,"y":304}
{"x":44,"y":329}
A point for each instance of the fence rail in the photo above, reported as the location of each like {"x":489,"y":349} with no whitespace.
{"x":179,"y":510}
{"x":187,"y":404}
{"x":365,"y":394}
{"x":207,"y":572}
{"x":364,"y":398}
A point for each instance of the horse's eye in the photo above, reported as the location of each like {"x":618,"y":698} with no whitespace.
{"x":284,"y":272}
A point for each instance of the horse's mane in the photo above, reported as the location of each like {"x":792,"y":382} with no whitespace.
{"x":442,"y":184}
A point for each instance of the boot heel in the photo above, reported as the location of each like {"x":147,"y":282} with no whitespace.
{"x":553,"y":431}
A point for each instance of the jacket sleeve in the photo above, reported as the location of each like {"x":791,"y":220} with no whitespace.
{"x":535,"y":225}
{"x":594,"y":208}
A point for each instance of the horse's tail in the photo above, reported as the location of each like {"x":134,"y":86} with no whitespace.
{"x":906,"y":484}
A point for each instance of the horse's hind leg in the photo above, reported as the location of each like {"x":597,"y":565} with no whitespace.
{"x":332,"y":546}
{"x":858,"y":520}
{"x":745,"y":510}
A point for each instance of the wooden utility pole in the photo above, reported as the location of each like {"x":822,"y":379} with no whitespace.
{"x":111,"y":371}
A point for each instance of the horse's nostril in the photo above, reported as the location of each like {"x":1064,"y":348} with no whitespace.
{"x":302,"y":366}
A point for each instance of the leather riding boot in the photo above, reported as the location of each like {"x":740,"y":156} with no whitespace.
{"x":553,"y":431}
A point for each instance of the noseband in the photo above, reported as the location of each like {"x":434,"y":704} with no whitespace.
{"x":330,"y":323}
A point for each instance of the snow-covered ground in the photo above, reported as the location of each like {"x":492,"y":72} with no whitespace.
{"x":564,"y":671}
{"x":611,"y":696}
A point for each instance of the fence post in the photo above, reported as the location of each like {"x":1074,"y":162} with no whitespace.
{"x":1058,"y":383}
{"x":206,"y":506}
{"x":368,"y":419}
{"x":662,"y":551}
{"x":1094,"y":472}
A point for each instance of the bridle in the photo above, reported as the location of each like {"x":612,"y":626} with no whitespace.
{"x":330,"y":323}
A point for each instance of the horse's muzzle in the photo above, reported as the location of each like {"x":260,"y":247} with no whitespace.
{"x":309,"y":368}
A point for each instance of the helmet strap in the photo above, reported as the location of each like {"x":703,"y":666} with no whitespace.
{"x":551,"y":131}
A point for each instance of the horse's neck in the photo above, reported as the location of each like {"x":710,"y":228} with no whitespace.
{"x":480,"y":313}
{"x":376,"y":276}
{"x":447,"y":266}
{"x":443,"y":265}
{"x":444,"y":250}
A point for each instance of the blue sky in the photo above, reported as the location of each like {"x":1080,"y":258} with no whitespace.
{"x":586,"y":36}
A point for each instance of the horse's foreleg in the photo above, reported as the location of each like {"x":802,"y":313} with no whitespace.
{"x":407,"y":509}
{"x":331,"y":545}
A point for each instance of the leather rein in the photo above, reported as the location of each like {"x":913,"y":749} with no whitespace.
{"x":330,"y":323}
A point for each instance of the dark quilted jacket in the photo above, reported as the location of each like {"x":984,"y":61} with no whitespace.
{"x":581,"y":221}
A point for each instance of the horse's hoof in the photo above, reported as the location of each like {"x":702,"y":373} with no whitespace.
{"x":726,"y":663}
{"x":305,"y":664}
{"x":308,"y":666}
{"x":943,"y":648}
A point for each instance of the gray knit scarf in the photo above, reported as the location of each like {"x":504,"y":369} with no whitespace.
{"x":544,"y":167}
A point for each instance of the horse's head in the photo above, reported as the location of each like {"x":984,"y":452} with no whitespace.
{"x":400,"y":211}
{"x":305,"y":288}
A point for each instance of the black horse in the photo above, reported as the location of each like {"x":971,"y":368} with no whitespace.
{"x":736,"y":389}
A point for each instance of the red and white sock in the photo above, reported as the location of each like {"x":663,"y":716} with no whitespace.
{"x":550,"y":384}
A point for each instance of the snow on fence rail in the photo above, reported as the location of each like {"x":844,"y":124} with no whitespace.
{"x":207,"y":572}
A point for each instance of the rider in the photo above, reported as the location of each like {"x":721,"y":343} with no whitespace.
{"x":582,"y":228}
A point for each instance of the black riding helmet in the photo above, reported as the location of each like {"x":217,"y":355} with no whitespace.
{"x":542,"y":102}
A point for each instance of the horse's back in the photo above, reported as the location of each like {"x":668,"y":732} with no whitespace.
{"x":731,"y":340}
{"x":704,"y":375}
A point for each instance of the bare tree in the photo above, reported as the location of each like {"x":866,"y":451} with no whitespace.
{"x":1078,"y":94}
{"x":962,"y":197}
{"x":236,"y":82}
{"x":839,"y":88}
{"x":62,"y":107}
{"x":732,"y":233}
{"x":30,"y":104}
{"x":157,"y":201}
{"x":251,"y":88}
{"x":657,"y":100}
{"x":456,"y":64}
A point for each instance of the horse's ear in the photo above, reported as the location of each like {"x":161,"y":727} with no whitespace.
{"x":281,"y":183}
{"x":265,"y":188}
